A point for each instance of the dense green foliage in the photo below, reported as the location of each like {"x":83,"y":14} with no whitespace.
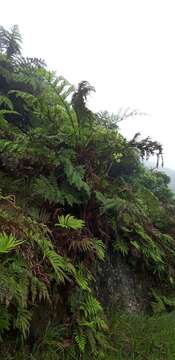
{"x":171,"y":174}
{"x":72,"y":187}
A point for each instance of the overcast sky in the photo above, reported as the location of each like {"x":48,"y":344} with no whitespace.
{"x":125,"y":48}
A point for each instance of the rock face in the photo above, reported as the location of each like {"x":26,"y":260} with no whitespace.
{"x":120,"y":287}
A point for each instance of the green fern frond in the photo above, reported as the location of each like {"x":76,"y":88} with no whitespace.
{"x":91,"y":307}
{"x":41,"y":215}
{"x":149,"y":247}
{"x":5,"y":319}
{"x":121,"y":246}
{"x":81,"y":279}
{"x":81,"y":341}
{"x":70,"y":222}
{"x":92,"y":341}
{"x":4,"y":100}
{"x":111,"y":204}
{"x":22,"y":322}
{"x":99,"y":249}
{"x":61,"y":265}
{"x":39,"y":289}
{"x":8,"y":242}
{"x":26,"y":96}
{"x":84,"y":244}
{"x":48,"y":189}
{"x":101,"y":324}
{"x":75,"y":176}
{"x":8,"y":112}
{"x":53,"y":338}
{"x":86,"y":324}
{"x":15,"y":149}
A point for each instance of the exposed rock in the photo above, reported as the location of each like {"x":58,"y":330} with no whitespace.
{"x":119,"y":286}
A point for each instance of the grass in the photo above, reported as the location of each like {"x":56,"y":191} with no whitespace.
{"x":139,"y":337}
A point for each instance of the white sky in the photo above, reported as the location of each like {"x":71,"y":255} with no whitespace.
{"x":125,"y":48}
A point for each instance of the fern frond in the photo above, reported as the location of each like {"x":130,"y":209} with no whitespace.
{"x":38,"y":288}
{"x":75,"y":176}
{"x":63,"y":268}
{"x":99,"y":249}
{"x":28,"y":98}
{"x":5,"y":319}
{"x":8,"y":242}
{"x":41,"y":215}
{"x":22,"y":322}
{"x":82,"y":245}
{"x":80,"y":340}
{"x":48,"y":189}
{"x":70,"y":222}
{"x":59,"y":264}
{"x":121,"y":246}
{"x":92,"y":341}
{"x":91,"y":307}
{"x":111,"y":204}
{"x":4,"y":100}
{"x":8,"y":112}
{"x":53,"y":338}
{"x":81,"y":279}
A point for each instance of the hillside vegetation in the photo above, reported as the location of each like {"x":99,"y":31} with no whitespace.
{"x":171,"y":174}
{"x":72,"y":187}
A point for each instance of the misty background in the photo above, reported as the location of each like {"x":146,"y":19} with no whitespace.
{"x":124,"y":48}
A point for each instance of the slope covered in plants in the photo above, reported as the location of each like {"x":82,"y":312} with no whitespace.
{"x":72,"y":189}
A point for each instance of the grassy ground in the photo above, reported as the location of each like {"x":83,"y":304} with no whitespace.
{"x":138,"y":337}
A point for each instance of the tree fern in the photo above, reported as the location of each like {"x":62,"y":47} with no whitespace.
{"x":79,"y":101}
{"x":10,"y":41}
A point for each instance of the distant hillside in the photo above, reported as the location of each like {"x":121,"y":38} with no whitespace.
{"x":169,"y":172}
